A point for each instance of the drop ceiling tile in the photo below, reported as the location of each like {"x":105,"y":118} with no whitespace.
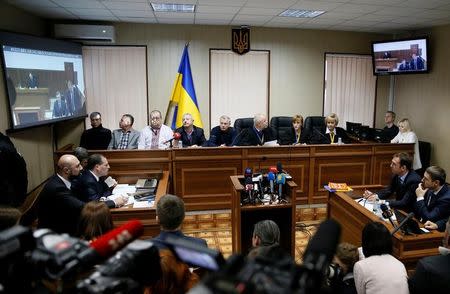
{"x":295,"y":20}
{"x":399,"y":11}
{"x":222,"y":2}
{"x":429,"y":4}
{"x":95,"y":11}
{"x":99,"y":17}
{"x":315,"y":5}
{"x":127,"y":5}
{"x":138,"y":19}
{"x":174,"y":15}
{"x":216,"y":9}
{"x":213,"y":16}
{"x":212,"y":21}
{"x":175,"y":20}
{"x":270,"y":3}
{"x":261,"y":11}
{"x":133,"y":13}
{"x":79,"y":4}
{"x":358,"y":8}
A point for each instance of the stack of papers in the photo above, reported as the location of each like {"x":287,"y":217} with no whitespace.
{"x":129,"y":191}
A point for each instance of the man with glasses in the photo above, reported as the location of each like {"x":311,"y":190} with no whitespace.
{"x":433,"y":198}
{"x":403,"y":184}
{"x":156,"y":135}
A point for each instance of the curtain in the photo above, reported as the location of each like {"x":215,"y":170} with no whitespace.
{"x":350,"y":88}
{"x":239,"y":84}
{"x":116,"y":83}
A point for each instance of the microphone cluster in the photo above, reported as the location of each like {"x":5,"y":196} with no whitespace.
{"x":60,"y":257}
{"x":267,"y":188}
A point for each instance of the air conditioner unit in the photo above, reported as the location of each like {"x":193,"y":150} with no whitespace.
{"x":87,"y":34}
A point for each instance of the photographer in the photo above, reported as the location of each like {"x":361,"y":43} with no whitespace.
{"x":340,"y":275}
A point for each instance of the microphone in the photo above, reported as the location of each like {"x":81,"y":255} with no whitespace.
{"x":403,"y":223}
{"x":271,"y":178}
{"x":176,"y":136}
{"x":248,"y":190}
{"x":279,"y":167}
{"x":318,"y":256}
{"x":387,"y":213}
{"x":281,"y":180}
{"x":273,"y":169}
{"x":61,"y":255}
{"x":248,"y":173}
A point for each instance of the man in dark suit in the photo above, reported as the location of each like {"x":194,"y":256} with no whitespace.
{"x":59,"y":209}
{"x":223,"y":134}
{"x":32,"y":81}
{"x":191,"y":136}
{"x":98,"y":137}
{"x":126,"y":137}
{"x":59,"y":107}
{"x":331,"y":133}
{"x":259,"y":134}
{"x":433,"y":196}
{"x":416,"y":62}
{"x":432,"y":273}
{"x":91,"y":186}
{"x":403,"y":184}
{"x":74,"y":99}
{"x":170,"y":212}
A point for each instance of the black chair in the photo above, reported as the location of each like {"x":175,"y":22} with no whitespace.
{"x":312,"y":122}
{"x":425,"y":156}
{"x":243,"y":123}
{"x":282,"y":125}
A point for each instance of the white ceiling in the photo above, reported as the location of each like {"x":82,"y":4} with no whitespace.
{"x":384,"y":16}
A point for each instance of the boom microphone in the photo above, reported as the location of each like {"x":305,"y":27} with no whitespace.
{"x":387,"y":213}
{"x":176,"y":136}
{"x":271,"y":178}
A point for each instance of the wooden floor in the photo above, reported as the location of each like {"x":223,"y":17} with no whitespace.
{"x":215,"y":228}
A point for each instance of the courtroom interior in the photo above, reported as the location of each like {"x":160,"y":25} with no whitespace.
{"x":308,"y":131}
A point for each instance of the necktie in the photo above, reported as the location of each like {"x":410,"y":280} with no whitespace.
{"x":332,"y":137}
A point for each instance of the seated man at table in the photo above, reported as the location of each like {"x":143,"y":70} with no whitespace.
{"x":259,"y":134}
{"x":191,"y":136}
{"x":97,"y":137}
{"x":223,"y":134}
{"x":403,"y":184}
{"x":156,"y":135}
{"x":331,"y":133}
{"x":126,"y":137}
{"x":432,"y":273}
{"x":433,"y":197}
{"x":91,"y":186}
{"x":170,"y":214}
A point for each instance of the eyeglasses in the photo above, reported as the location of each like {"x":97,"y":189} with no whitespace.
{"x":155,"y":118}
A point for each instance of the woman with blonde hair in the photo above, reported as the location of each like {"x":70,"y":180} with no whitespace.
{"x":406,"y":135}
{"x":95,"y":220}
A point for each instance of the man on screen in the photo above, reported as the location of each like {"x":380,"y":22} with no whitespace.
{"x":32,"y":81}
{"x":59,"y":106}
{"x":417,"y":62}
{"x":74,"y":99}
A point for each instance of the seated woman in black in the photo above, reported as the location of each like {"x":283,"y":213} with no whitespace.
{"x":331,"y":133}
{"x":294,"y":135}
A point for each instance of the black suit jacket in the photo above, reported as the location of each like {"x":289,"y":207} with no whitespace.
{"x":389,"y":133}
{"x":217,"y":137}
{"x":405,"y":193}
{"x":87,"y":188}
{"x":96,"y":138}
{"x":319,"y":136}
{"x":432,"y":275}
{"x":197,"y":136}
{"x":249,"y":137}
{"x":287,"y":136}
{"x":58,"y":208}
{"x":435,"y":209}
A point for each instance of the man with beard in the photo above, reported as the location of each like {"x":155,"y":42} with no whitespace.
{"x":156,"y":134}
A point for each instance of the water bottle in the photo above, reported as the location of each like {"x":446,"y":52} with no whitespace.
{"x":376,"y":206}
{"x":339,"y":141}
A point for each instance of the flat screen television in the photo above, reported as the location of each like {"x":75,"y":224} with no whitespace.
{"x":44,"y":80}
{"x":401,"y":56}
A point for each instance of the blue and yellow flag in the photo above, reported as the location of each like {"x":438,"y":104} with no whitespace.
{"x":183,"y":94}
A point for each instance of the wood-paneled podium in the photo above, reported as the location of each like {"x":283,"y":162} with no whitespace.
{"x":353,"y":217}
{"x":243,"y":218}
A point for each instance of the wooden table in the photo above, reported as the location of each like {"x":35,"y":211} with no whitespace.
{"x":353,"y":217}
{"x":243,"y":218}
{"x":201,"y":175}
{"x":146,"y":215}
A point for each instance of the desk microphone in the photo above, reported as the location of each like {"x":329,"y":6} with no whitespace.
{"x":176,"y":136}
{"x":387,"y":213}
{"x":271,"y":178}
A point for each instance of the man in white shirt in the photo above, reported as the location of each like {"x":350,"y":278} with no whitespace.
{"x":156,"y":135}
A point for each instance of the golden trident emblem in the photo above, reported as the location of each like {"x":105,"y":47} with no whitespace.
{"x":241,"y":42}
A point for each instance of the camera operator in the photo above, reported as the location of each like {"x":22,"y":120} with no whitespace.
{"x":340,"y":274}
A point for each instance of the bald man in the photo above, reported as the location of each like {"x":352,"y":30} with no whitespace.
{"x":59,"y":208}
{"x":258,"y":135}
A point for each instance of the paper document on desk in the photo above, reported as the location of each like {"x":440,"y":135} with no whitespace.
{"x":123,"y":190}
{"x":143,"y":204}
{"x":271,"y":143}
{"x":110,"y":182}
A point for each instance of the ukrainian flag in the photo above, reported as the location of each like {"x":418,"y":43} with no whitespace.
{"x":183,"y":94}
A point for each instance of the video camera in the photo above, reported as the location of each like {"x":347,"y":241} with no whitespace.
{"x":27,"y":258}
